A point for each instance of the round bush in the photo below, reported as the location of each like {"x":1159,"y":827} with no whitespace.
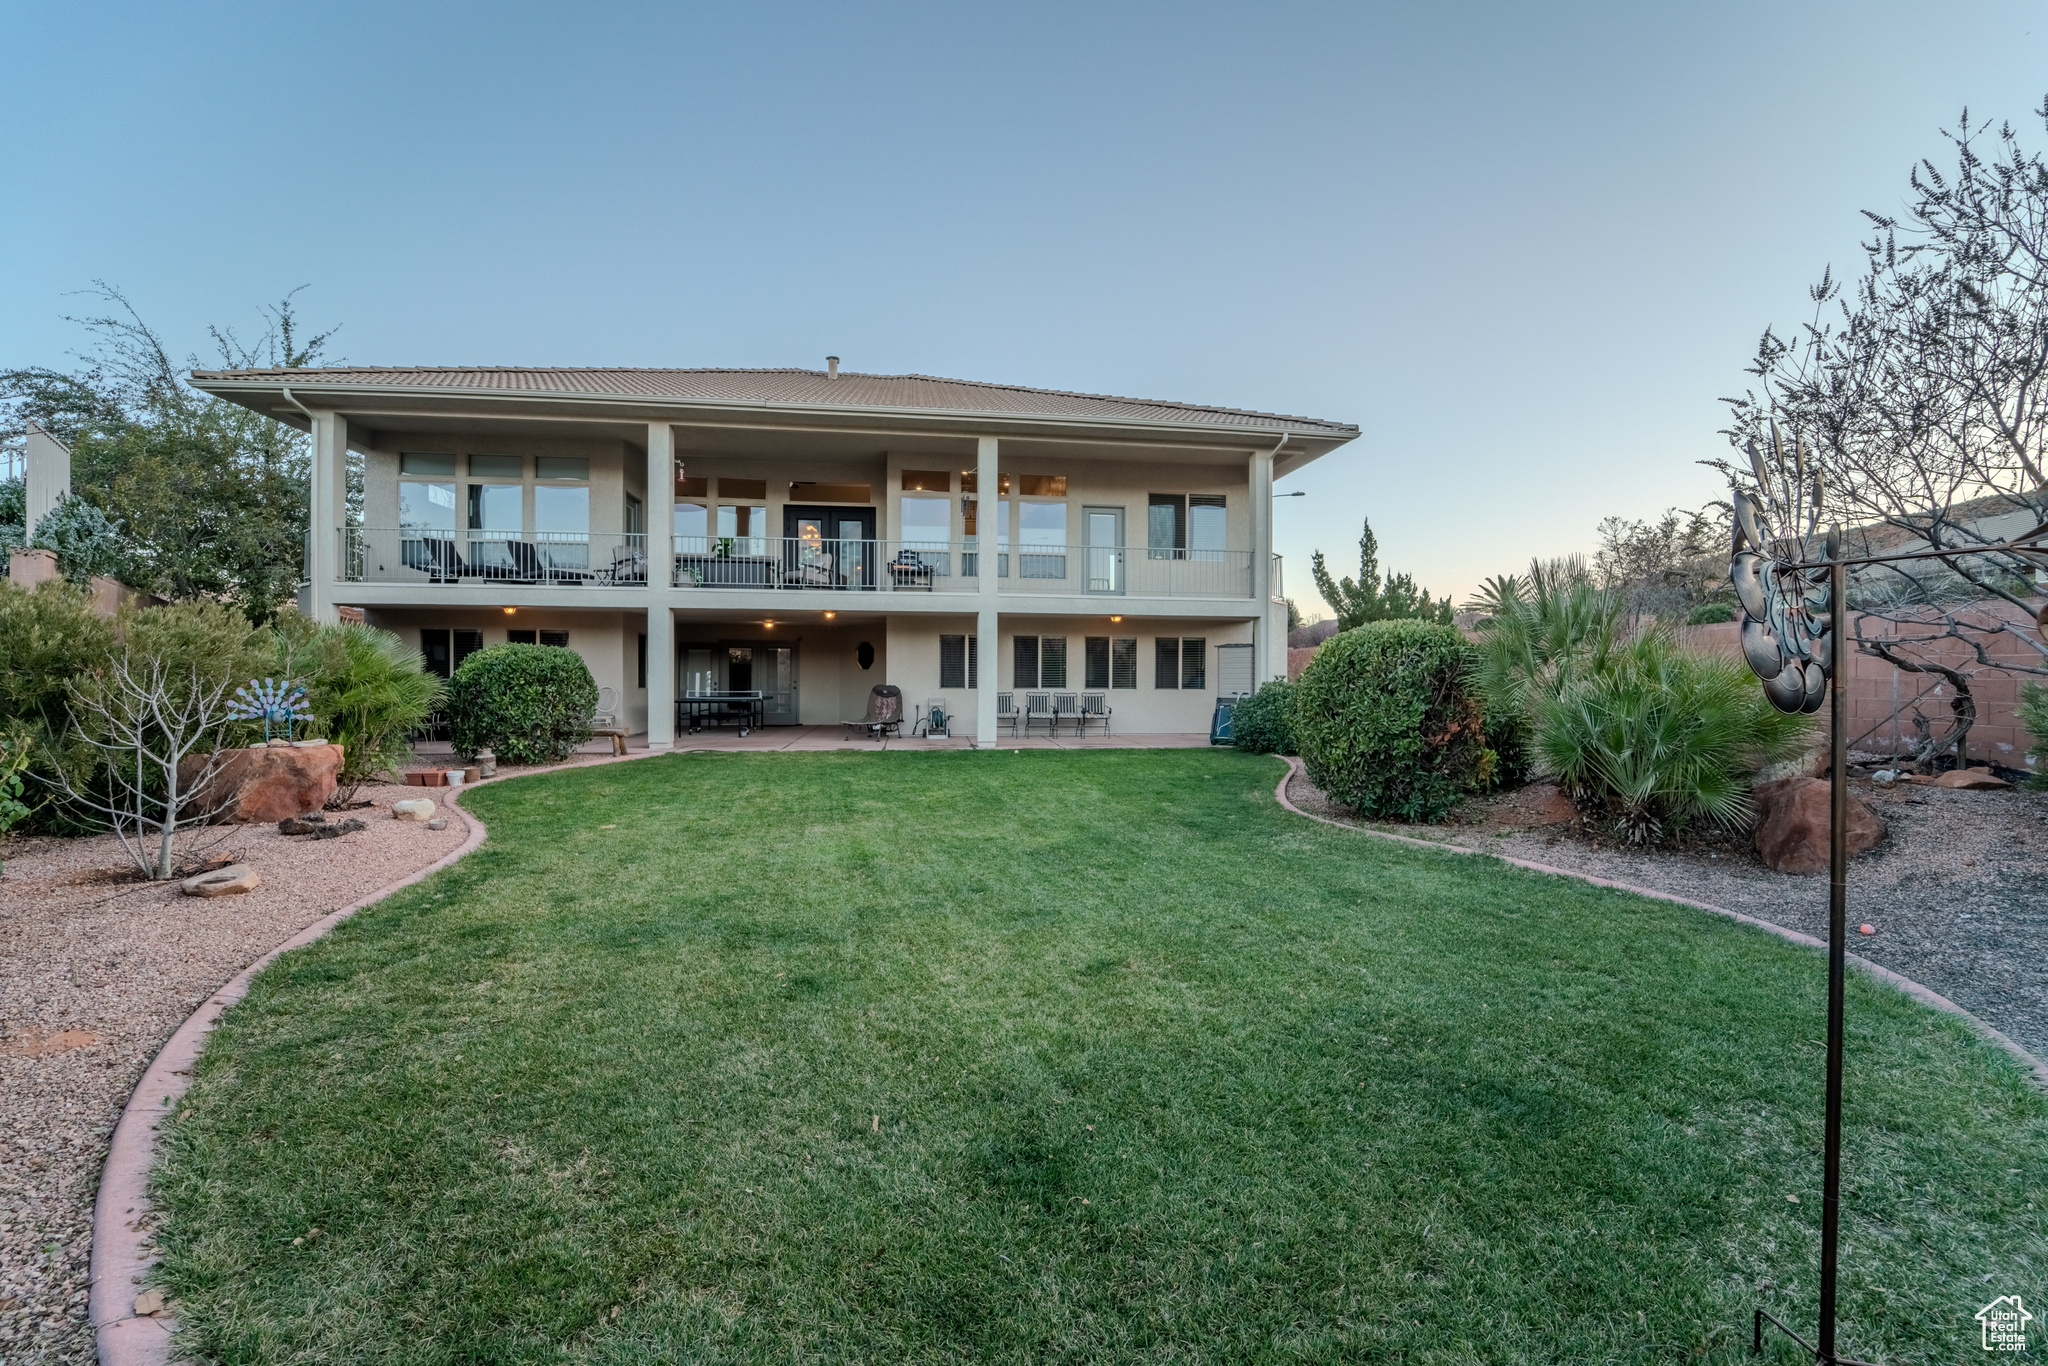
{"x":1711,"y":614}
{"x":1389,"y":722}
{"x":1264,"y":722}
{"x":530,"y":704}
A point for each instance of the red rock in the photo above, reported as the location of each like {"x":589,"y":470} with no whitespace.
{"x":1971,"y":780}
{"x":232,"y":880}
{"x":1866,"y":929}
{"x":264,"y":785}
{"x":1792,"y":825}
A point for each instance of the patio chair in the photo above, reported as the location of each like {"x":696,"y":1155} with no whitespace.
{"x":604,"y":722}
{"x":933,"y":721}
{"x":433,"y":556}
{"x":813,"y":570}
{"x":1094,"y":711}
{"x":1066,"y":711}
{"x":908,"y":570}
{"x":629,"y":564}
{"x":1037,"y":710}
{"x":526,"y":566}
{"x":1006,"y":711}
{"x":885,"y":713}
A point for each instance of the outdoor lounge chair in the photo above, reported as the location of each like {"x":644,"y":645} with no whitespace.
{"x":1066,"y":711}
{"x":1094,"y":712}
{"x":629,"y":564}
{"x":933,"y":720}
{"x":810,"y":570}
{"x":1006,"y":711}
{"x":885,"y":713}
{"x":1038,"y":711}
{"x":433,"y":556}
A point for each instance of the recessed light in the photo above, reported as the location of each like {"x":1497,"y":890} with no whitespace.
{"x":1116,"y":618}
{"x":769,"y":624}
{"x":830,"y":615}
{"x":510,"y":610}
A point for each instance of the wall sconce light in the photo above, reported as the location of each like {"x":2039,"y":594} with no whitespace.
{"x":510,"y":610}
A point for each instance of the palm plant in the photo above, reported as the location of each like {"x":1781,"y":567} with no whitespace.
{"x":1658,"y":737}
{"x":367,"y":689}
{"x":1542,"y":632}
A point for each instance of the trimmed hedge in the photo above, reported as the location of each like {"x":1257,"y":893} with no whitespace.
{"x":1264,"y":722}
{"x":530,"y":704}
{"x":1389,"y":721}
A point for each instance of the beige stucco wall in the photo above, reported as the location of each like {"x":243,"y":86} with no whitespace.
{"x":609,"y":642}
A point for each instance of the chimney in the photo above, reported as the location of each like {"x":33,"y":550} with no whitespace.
{"x":831,"y":367}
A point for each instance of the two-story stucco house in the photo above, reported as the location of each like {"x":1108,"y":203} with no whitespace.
{"x":803,"y":534}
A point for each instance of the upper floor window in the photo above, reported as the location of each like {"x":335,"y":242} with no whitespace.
{"x":1181,"y":526}
{"x":497,"y":507}
{"x":692,"y":526}
{"x":1043,"y":485}
{"x":426,"y":507}
{"x":927,"y":481}
{"x":1042,"y":540}
{"x":927,"y":523}
{"x":561,"y":467}
{"x":742,"y":530}
{"x":497,"y":466}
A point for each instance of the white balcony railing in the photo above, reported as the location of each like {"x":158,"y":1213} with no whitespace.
{"x":778,"y":563}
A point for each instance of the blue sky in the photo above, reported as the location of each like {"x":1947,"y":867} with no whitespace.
{"x":1525,"y":247}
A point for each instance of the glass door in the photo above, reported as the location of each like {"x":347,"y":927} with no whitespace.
{"x":1105,"y":532}
{"x":775,"y":675}
{"x":827,"y":547}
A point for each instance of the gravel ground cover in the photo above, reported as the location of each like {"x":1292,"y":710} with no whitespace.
{"x":1958,"y":893}
{"x":96,"y":972}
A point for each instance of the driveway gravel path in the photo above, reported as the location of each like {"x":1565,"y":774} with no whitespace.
{"x":1958,"y":893}
{"x":96,"y":972}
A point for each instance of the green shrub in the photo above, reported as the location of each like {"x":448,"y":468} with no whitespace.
{"x":2033,"y":713}
{"x":1711,"y":614}
{"x":49,"y":635}
{"x":1264,"y":722}
{"x":368,"y":690}
{"x":1659,"y":737}
{"x":531,"y":704}
{"x":1389,"y":722}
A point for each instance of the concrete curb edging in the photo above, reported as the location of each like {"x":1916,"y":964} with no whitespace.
{"x":1925,"y":995}
{"x":118,"y":1259}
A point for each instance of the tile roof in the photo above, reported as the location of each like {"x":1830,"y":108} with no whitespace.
{"x":803,"y":388}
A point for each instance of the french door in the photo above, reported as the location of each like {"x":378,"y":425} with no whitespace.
{"x":828,"y":547}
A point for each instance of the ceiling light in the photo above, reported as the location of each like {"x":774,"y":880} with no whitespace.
{"x":830,"y":615}
{"x":510,"y":610}
{"x":1116,"y":618}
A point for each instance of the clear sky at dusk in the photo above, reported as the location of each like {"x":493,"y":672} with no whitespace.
{"x":1525,"y":247}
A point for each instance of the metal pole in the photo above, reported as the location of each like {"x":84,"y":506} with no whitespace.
{"x":1838,"y":901}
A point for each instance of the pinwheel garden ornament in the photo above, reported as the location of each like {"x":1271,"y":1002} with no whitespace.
{"x":273,"y":701}
{"x":1785,"y":608}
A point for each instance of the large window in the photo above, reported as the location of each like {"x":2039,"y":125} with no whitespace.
{"x":742,"y":530}
{"x":1205,"y":526}
{"x":1184,"y":526}
{"x":1039,"y":662}
{"x":1042,"y":541}
{"x":959,"y":661}
{"x":693,"y":528}
{"x":426,"y":507}
{"x":561,"y":522}
{"x":442,"y":650}
{"x":927,"y":529}
{"x":1180,"y":662}
{"x":1109,"y":663}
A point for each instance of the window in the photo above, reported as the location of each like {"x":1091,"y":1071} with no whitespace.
{"x":801,"y":492}
{"x":1123,"y":663}
{"x":693,"y":527}
{"x":1024,"y":662}
{"x":970,"y":563}
{"x":700,"y":487}
{"x":556,"y":638}
{"x":443,"y":650}
{"x":927,"y":481}
{"x":426,"y":507}
{"x":561,"y":467}
{"x":745,"y":527}
{"x":927,"y":530}
{"x":1179,"y":662}
{"x":636,"y":516}
{"x":497,"y":467}
{"x":752,"y":490}
{"x":429,"y":465}
{"x":1043,"y":485}
{"x":1039,"y":662}
{"x":1166,"y":526}
{"x":497,"y":507}
{"x":1042,"y":541}
{"x":1205,"y":526}
{"x":969,"y":478}
{"x":959,"y":661}
{"x":1110,"y":663}
{"x":561,"y":523}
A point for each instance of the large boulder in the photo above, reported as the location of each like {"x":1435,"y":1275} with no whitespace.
{"x":264,"y":784}
{"x":1792,"y":821}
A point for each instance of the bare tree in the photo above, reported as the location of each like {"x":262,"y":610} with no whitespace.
{"x":144,"y":722}
{"x":1920,"y":393}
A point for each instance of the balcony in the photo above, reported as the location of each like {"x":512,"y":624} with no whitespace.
{"x":412,"y":555}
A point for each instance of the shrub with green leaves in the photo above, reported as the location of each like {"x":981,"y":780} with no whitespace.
{"x":530,"y":704}
{"x":1264,"y":722}
{"x":1711,"y":614}
{"x":1660,"y":737}
{"x":1389,"y":722}
{"x":2033,"y":713}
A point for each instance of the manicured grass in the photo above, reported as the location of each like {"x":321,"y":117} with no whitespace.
{"x":1052,"y":1056}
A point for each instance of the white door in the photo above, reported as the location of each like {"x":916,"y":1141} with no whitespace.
{"x":1105,"y":532}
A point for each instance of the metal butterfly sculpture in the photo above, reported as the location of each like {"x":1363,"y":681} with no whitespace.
{"x":1784,"y":609}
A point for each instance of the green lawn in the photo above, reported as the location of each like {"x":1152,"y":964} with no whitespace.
{"x":1076,"y":1057}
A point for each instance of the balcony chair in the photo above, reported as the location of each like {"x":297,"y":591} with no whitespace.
{"x":604,"y":722}
{"x":1006,"y":711}
{"x":434,"y":557}
{"x":1066,"y":710}
{"x":909,"y":570}
{"x":933,"y":722}
{"x":1094,"y":711}
{"x":1038,"y":708}
{"x":885,"y":713}
{"x":813,"y":570}
{"x":629,"y":564}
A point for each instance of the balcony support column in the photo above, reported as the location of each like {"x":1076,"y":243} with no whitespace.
{"x":326,"y":513}
{"x":1261,"y":479}
{"x":988,"y":501}
{"x":661,"y":626}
